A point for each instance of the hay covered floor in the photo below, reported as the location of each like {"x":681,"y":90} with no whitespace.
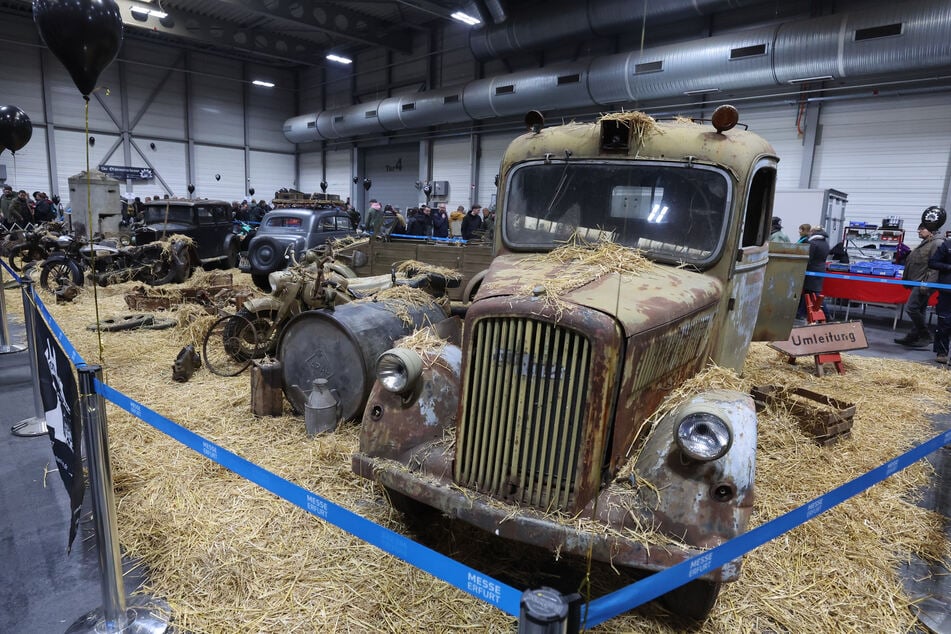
{"x":230,"y":557}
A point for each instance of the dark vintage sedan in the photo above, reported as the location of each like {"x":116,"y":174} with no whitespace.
{"x":207,"y":222}
{"x":291,"y":230}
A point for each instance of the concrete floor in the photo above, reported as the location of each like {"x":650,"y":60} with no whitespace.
{"x":44,"y":590}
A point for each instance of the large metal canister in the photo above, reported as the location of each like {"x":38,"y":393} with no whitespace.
{"x":342,"y":346}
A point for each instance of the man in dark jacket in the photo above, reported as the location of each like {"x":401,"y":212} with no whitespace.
{"x":917,"y":270}
{"x":472,"y":222}
{"x":818,"y":252}
{"x":440,"y":221}
{"x":941,"y":261}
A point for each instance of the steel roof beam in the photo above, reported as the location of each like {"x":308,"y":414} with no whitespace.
{"x":334,"y":20}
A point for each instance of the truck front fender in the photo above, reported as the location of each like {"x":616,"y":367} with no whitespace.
{"x":395,"y":425}
{"x":702,"y":503}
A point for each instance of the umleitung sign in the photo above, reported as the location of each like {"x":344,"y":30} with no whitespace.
{"x":124,"y":172}
{"x":822,"y":338}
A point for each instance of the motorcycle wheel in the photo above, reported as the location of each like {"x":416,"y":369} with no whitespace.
{"x":221,"y":352}
{"x":250,"y":335}
{"x":23,"y":254}
{"x":58,"y":275}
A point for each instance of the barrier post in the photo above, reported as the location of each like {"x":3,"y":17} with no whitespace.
{"x":5,"y":345}
{"x":547,"y":611}
{"x":140,"y":613}
{"x":36,"y":425}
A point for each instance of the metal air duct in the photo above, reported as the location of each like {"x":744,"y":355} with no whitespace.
{"x":577,"y":20}
{"x":888,"y":40}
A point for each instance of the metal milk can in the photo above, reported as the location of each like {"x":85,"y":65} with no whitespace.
{"x":322,"y":409}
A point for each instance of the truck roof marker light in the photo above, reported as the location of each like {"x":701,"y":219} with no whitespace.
{"x":534,"y":121}
{"x":724,"y":118}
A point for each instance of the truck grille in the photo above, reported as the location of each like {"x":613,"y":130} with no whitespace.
{"x":520,"y":437}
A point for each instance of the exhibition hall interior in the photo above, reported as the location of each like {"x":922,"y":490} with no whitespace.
{"x":475,"y":315}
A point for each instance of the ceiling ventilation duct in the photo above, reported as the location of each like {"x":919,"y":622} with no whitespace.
{"x":886,"y":41}
{"x":578,"y":20}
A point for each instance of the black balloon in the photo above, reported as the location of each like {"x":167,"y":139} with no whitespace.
{"x":217,"y":177}
{"x":84,"y":35}
{"x":191,"y":188}
{"x":367,"y":184}
{"x":323,"y":186}
{"x":251,"y":191}
{"x":15,"y":128}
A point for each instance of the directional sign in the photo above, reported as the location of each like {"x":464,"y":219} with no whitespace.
{"x":821,"y":338}
{"x":124,"y":172}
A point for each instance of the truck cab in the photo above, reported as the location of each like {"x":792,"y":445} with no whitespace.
{"x":630,"y":254}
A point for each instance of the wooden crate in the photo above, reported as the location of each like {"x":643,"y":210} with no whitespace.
{"x":827,"y":420}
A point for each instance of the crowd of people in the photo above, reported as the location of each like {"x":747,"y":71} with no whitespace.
{"x":426,"y":220}
{"x":20,"y":209}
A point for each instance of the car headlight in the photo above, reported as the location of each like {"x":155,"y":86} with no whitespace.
{"x":398,"y":369}
{"x":703,"y":436}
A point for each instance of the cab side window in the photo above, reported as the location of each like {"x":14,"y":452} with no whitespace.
{"x":205,"y":215}
{"x":759,"y":205}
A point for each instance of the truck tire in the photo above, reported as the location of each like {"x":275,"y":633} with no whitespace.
{"x":692,"y":601}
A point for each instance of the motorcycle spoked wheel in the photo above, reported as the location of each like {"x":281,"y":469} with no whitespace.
{"x":229,"y":346}
{"x":22,"y":255}
{"x":256,"y":342}
{"x":58,"y":275}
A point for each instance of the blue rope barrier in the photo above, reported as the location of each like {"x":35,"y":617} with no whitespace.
{"x":879,"y":280}
{"x":64,"y":342}
{"x":479,"y":585}
{"x":473,"y":582}
{"x":648,"y":589}
{"x":16,"y":277}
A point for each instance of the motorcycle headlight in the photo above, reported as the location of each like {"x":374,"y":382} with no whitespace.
{"x":703,"y":436}
{"x":398,"y":369}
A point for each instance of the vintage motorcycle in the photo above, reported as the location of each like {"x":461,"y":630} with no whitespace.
{"x":34,"y":244}
{"x":317,"y":281}
{"x":106,"y":262}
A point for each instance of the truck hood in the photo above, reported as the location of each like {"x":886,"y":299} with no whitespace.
{"x":639,"y":301}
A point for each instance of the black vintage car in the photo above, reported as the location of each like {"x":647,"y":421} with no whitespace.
{"x":207,"y":222}
{"x":291,"y":230}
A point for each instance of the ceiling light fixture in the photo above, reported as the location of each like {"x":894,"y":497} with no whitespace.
{"x":465,"y":18}
{"x":339,"y":59}
{"x":145,"y":11}
{"x":261,"y":82}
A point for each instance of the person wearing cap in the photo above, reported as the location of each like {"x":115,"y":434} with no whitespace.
{"x":941,"y":261}
{"x":776,"y":234}
{"x":917,"y":269}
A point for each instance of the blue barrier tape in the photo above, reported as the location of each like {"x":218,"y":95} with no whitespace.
{"x":630,"y":597}
{"x":16,"y":277}
{"x":479,"y":585}
{"x":880,"y":280}
{"x":64,"y":342}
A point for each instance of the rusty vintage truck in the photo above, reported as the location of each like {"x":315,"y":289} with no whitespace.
{"x":544,"y":419}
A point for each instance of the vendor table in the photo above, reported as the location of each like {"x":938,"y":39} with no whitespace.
{"x":869,"y":289}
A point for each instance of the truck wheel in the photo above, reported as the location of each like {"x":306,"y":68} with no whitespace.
{"x":412,"y":509}
{"x":692,"y":601}
{"x":250,"y":334}
{"x":58,"y":275}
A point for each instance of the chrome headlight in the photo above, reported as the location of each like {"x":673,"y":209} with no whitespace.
{"x":398,"y":369}
{"x":703,"y":436}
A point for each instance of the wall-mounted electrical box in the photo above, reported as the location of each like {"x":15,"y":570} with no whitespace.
{"x":440,"y":188}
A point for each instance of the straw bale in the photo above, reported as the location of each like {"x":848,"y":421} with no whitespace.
{"x":230,"y":557}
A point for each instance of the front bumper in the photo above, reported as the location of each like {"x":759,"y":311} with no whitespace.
{"x":529,"y":526}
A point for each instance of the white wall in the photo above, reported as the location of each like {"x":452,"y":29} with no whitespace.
{"x":159,"y":95}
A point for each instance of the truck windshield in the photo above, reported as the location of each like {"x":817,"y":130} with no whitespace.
{"x":672,"y":212}
{"x":156,"y":214}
